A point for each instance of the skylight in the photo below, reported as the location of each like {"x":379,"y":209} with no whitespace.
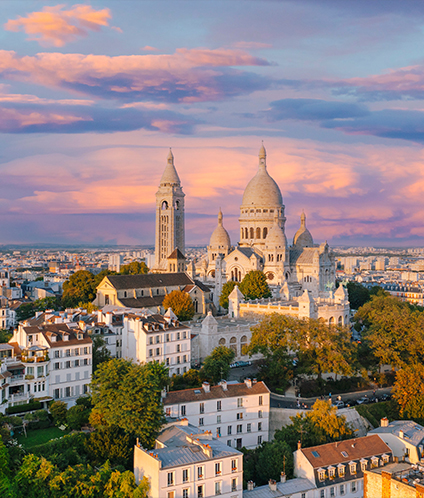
{"x":344,"y":454}
{"x":316,"y":454}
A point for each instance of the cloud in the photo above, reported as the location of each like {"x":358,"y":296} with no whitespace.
{"x":251,"y":45}
{"x":188,"y":75}
{"x":49,"y":118}
{"x":53,"y":26}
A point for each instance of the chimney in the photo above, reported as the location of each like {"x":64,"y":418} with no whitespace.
{"x":283,"y":477}
{"x":206,"y":387}
{"x":248,"y":383}
{"x":401,"y":434}
{"x":250,"y":485}
{"x":108,"y":318}
{"x":299,"y":445}
{"x":224,"y":385}
{"x":384,"y":422}
{"x":272,"y":485}
{"x":163,"y":393}
{"x":138,"y":443}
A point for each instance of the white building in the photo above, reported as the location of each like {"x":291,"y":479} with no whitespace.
{"x":337,"y":469}
{"x":6,"y":320}
{"x":238,"y":414}
{"x":147,"y":337}
{"x":187,"y":463}
{"x":116,"y":260}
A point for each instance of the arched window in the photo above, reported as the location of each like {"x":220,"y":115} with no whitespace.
{"x":177,"y":205}
{"x":252,"y":233}
{"x":243,"y":343}
{"x":222,"y":342}
{"x":265,"y":232}
{"x":246,"y":233}
{"x":164,"y":205}
{"x":196,"y":305}
{"x":233,"y":345}
{"x":331,"y":321}
{"x":258,"y":233}
{"x":242,"y":233}
{"x":340,"y":320}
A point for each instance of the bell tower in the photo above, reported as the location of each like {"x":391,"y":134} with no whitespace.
{"x":169,"y":216}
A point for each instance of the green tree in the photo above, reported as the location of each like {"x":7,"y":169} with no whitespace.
{"x":76,"y":417}
{"x":128,"y":395}
{"x":28,"y":310}
{"x":181,"y":304}
{"x":79,"y":288}
{"x":358,"y":295}
{"x":408,"y":391}
{"x":227,"y":289}
{"x":134,"y":268}
{"x":111,"y":443}
{"x":217,"y":365}
{"x":100,"y":351}
{"x":89,"y":307}
{"x":59,"y":410}
{"x":4,"y":469}
{"x":255,"y":286}
{"x":5,"y":336}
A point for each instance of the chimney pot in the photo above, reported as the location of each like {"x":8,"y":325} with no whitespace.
{"x":250,"y":485}
{"x":299,"y":445}
{"x":384,"y":422}
{"x":272,"y":485}
{"x":206,"y":387}
{"x":283,"y":477}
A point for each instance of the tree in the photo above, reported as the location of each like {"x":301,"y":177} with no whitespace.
{"x":111,"y":443}
{"x":227,"y":289}
{"x":181,"y":304}
{"x":100,"y":351}
{"x":5,"y":336}
{"x":79,"y":288}
{"x":28,"y":310}
{"x":128,"y":395}
{"x":408,"y":391}
{"x":358,"y":295}
{"x":255,"y":286}
{"x":59,"y":410}
{"x":134,"y":268}
{"x":77,"y":416}
{"x":89,"y":307}
{"x":217,"y":365}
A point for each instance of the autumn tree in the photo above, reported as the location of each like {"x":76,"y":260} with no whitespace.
{"x":134,"y":268}
{"x":408,"y":391}
{"x":128,"y":395}
{"x":217,"y":365}
{"x":79,"y":288}
{"x":255,"y":286}
{"x":181,"y":304}
{"x":59,"y":410}
{"x":227,"y":289}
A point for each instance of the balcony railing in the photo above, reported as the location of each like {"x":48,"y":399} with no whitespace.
{"x":16,"y":378}
{"x":35,"y":359}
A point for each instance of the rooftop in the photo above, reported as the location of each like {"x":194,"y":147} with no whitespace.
{"x":412,"y":432}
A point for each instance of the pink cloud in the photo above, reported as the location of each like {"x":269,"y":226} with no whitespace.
{"x":188,"y":75}
{"x":53,"y":26}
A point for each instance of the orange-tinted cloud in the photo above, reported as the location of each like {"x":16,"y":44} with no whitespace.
{"x":193,"y":75}
{"x":53,"y":26}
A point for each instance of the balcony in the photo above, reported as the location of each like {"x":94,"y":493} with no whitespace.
{"x":16,"y":378}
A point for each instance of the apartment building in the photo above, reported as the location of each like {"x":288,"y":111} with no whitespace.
{"x":237,"y":414}
{"x":147,"y":337}
{"x":188,"y":463}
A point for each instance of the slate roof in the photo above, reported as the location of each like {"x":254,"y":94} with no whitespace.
{"x":122,"y":282}
{"x":331,"y":453}
{"x":303,"y":256}
{"x":216,"y":392}
{"x":413,"y":433}
{"x":176,"y":254}
{"x":288,"y":488}
{"x":142,"y":302}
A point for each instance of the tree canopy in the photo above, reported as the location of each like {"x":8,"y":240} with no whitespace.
{"x":227,"y":289}
{"x":181,"y":304}
{"x":134,"y":268}
{"x":255,"y":286}
{"x":128,"y":395}
{"x":408,"y":391}
{"x":28,"y":310}
{"x":79,"y":288}
{"x":217,"y":365}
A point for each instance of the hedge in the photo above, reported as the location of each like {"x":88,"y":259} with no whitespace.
{"x":32,"y":405}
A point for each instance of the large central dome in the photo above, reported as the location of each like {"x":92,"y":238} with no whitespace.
{"x":262,"y":191}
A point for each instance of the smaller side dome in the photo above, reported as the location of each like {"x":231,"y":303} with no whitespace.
{"x":220,"y":238}
{"x":303,"y":237}
{"x":276,"y":238}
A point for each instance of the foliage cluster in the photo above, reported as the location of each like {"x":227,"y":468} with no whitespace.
{"x":27,"y":310}
{"x":374,"y":412}
{"x":253,"y":286}
{"x":32,"y":405}
{"x":181,"y":304}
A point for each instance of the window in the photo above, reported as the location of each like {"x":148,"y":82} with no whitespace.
{"x":171,"y":494}
{"x":218,"y":431}
{"x":77,"y":363}
{"x":200,"y":493}
{"x":184,"y":335}
{"x":233,"y":465}
{"x":218,"y":419}
{"x":157,"y":339}
{"x":201,"y":420}
{"x":170,"y":478}
{"x":178,"y":336}
{"x":185,"y":359}
{"x":219,"y":406}
{"x":321,"y":474}
{"x":259,"y":439}
{"x":178,"y":360}
{"x":331,"y":472}
{"x":56,"y":394}
{"x":239,"y":416}
{"x":303,"y":495}
{"x":322,"y":494}
{"x":150,"y":340}
{"x":67,"y":364}
{"x":68,"y":352}
{"x":167,"y":362}
{"x":168,"y":411}
{"x":76,"y":351}
{"x":202,"y":408}
{"x":341,"y":470}
{"x":332,"y":492}
{"x":57,"y":366}
{"x":218,"y":488}
{"x":239,"y":429}
{"x":167,"y":337}
{"x":342,"y":489}
{"x":200,"y":473}
{"x":85,"y":350}
{"x":67,"y":392}
{"x":385,"y":458}
{"x":150,"y":352}
{"x":260,"y":414}
{"x":354,"y":486}
{"x":85,"y":361}
{"x":229,"y":430}
{"x":185,"y":493}
{"x":183,"y":410}
{"x":185,"y":475}
{"x":352,"y":468}
{"x":260,"y":400}
{"x":363,"y":465}
{"x":57,"y":354}
{"x":239,"y":402}
{"x":249,"y":427}
{"x":157,"y":351}
{"x":229,"y":443}
{"x":233,"y":484}
{"x":218,"y":468}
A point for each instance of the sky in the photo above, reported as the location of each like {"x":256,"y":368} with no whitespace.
{"x":93,"y":94}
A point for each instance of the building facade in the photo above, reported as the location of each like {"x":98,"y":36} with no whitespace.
{"x":237,"y":414}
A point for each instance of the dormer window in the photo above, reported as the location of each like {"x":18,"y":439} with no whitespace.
{"x":331,"y":472}
{"x":341,"y":469}
{"x":385,"y":458}
{"x":374,"y":462}
{"x":352,"y":468}
{"x":321,"y":474}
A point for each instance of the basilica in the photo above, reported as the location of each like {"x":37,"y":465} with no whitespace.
{"x":302,"y":272}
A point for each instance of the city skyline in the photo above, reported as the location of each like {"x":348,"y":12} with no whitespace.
{"x":92,"y":96}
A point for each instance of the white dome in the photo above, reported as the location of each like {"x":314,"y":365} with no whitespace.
{"x":262,"y":190}
{"x":170,"y":175}
{"x":276,"y":238}
{"x":303,"y":237}
{"x":220,"y":237}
